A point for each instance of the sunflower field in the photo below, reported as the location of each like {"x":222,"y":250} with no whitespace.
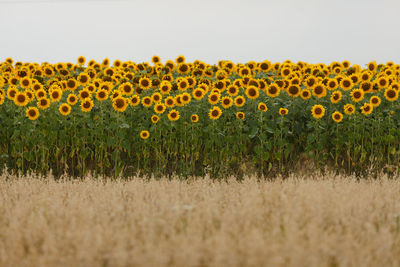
{"x":193,"y":118}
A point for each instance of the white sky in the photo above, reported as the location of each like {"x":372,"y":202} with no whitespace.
{"x":209,"y":30}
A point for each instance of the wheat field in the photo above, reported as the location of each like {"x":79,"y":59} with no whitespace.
{"x":299,"y":221}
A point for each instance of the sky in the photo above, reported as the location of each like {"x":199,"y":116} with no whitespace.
{"x":210,"y":30}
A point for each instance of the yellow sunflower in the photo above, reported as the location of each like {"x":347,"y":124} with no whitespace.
{"x":239,"y":101}
{"x":262,"y":107}
{"x":391,"y":94}
{"x":144,"y":134}
{"x":375,"y":101}
{"x":147,"y":101}
{"x":198,"y":93}
{"x":194,"y":118}
{"x":144,"y":83}
{"x":367,"y":109}
{"x":64,"y":109}
{"x":169,"y":102}
{"x":240,"y":115}
{"x":72,"y":99}
{"x":283,"y":111}
{"x":120,"y":104}
{"x":357,"y":95}
{"x":155,"y":119}
{"x":336,"y":96}
{"x":43,"y":103}
{"x":215,"y":113}
{"x":173,"y":115}
{"x":21,"y":99}
{"x":349,"y":109}
{"x":226,"y":102}
{"x":213,"y":98}
{"x":159,"y":108}
{"x":337,"y":116}
{"x":305,"y":94}
{"x":318,"y":111}
{"x":32,"y":113}
{"x":87,"y":105}
{"x":134,"y":101}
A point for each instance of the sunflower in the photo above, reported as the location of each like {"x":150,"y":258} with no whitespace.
{"x":72,"y":84}
{"x":239,"y":101}
{"x":366,"y":87}
{"x":169,"y":102}
{"x":134,"y":101}
{"x":32,"y":113}
{"x":240,"y":115}
{"x":183,"y":84}
{"x":375,"y":101}
{"x":366,"y":76}
{"x":318,"y":111}
{"x":101,"y":95}
{"x":83,"y":78}
{"x":252,"y":92}
{"x":305,"y":94}
{"x":367,"y":109}
{"x":87,"y":105}
{"x":156,"y":59}
{"x":81,"y":60}
{"x":215,"y":113}
{"x":286,"y":72}
{"x":357,"y":95}
{"x":56,"y":94}
{"x":232,"y":90}
{"x":294,"y":90}
{"x":213,"y":98}
{"x":332,"y":84}
{"x":337,"y":116}
{"x":180,"y":59}
{"x":183,"y":68}
{"x":346,"y":84}
{"x":25,"y":82}
{"x":65,"y":109}
{"x":156,"y":97}
{"x":226,"y":102}
{"x":126,"y":88}
{"x":349,"y":109}
{"x":120,"y":104}
{"x":165,"y":87}
{"x":11,"y":92}
{"x":21,"y":99}
{"x":336,"y":96}
{"x":37,"y":86}
{"x":198,"y":93}
{"x":144,"y":83}
{"x":144,"y":134}
{"x":173,"y":115}
{"x":320,"y":90}
{"x":159,"y":108}
{"x":391,"y":94}
{"x":178,"y":101}
{"x":372,"y":66}
{"x":262,"y":107}
{"x":72,"y":99}
{"x":382,"y":82}
{"x":155,"y":119}
{"x":147,"y":101}
{"x":43,"y":103}
{"x":283,"y":111}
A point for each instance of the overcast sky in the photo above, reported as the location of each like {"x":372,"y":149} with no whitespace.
{"x":209,"y":30}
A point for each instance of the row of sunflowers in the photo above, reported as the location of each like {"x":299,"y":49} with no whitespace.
{"x":193,"y":118}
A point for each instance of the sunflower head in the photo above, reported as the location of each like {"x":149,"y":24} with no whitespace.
{"x":367,"y":109}
{"x":239,"y":101}
{"x":144,"y":134}
{"x":262,"y":107}
{"x":375,"y":101}
{"x":357,"y":95}
{"x":391,"y":94}
{"x":32,"y":113}
{"x":215,"y":113}
{"x":21,"y":99}
{"x":155,"y":119}
{"x":194,"y":118}
{"x":337,"y":116}
{"x":64,"y":109}
{"x":240,"y":115}
{"x":283,"y":111}
{"x":318,"y":111}
{"x":120,"y":104}
{"x":173,"y":115}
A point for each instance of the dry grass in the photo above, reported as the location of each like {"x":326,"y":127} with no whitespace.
{"x":335,"y":221}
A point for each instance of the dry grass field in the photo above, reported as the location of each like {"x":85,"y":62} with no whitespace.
{"x":299,"y":221}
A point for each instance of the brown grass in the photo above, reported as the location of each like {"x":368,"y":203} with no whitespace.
{"x":335,"y":221}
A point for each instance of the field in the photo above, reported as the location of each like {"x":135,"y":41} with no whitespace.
{"x":193,"y":118}
{"x":298,"y":221}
